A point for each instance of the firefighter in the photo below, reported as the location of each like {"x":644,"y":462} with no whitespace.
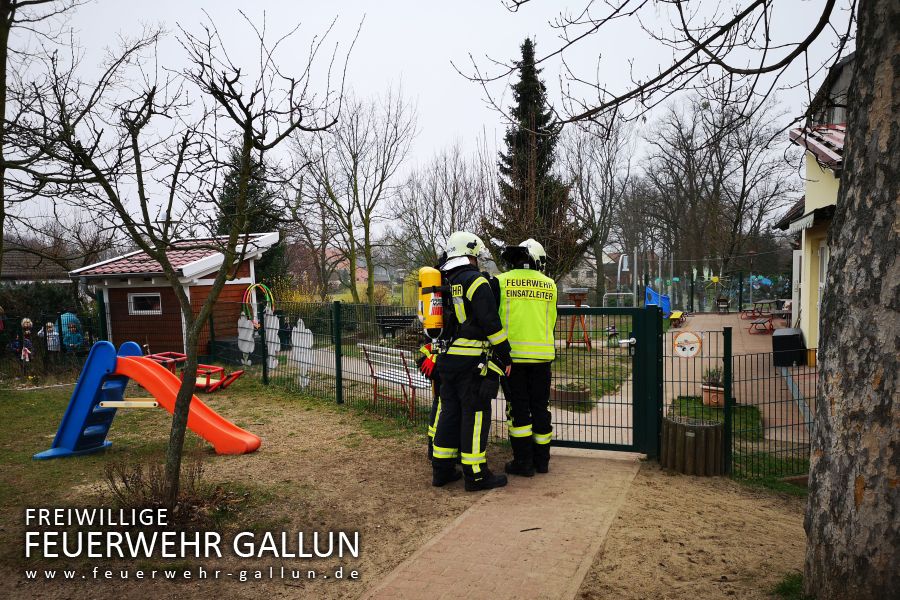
{"x":527,"y":304}
{"x":477,"y":355}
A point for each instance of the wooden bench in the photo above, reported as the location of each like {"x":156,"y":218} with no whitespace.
{"x":398,"y":367}
{"x":761,"y":326}
{"x":389,"y":324}
{"x":676,"y":319}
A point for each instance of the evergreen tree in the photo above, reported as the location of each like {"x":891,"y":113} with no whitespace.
{"x":261,"y":215}
{"x":533,"y":201}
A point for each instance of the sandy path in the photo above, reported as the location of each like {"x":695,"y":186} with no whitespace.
{"x":684,"y":537}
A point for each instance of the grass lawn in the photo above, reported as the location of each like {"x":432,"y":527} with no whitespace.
{"x":746,"y":421}
{"x":602,"y":370}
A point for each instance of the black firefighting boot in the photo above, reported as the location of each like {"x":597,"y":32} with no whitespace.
{"x":444,"y":472}
{"x":523,"y":457}
{"x":483,"y":480}
{"x":541,"y":457}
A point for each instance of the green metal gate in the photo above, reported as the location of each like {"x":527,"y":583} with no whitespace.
{"x":607,"y":380}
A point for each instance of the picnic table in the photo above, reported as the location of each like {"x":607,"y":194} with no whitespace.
{"x":784,"y":315}
{"x":760,"y":308}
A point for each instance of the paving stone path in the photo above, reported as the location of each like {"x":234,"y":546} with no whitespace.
{"x":535,"y":538}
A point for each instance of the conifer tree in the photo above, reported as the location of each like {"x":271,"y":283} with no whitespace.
{"x":261,"y":215}
{"x":533,"y":201}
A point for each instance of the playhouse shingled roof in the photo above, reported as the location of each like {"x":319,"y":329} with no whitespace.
{"x":189,"y":257}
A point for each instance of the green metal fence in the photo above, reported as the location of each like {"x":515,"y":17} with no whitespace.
{"x":607,"y":392}
{"x":767,"y":410}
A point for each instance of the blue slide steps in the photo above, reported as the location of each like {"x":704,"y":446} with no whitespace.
{"x":85,"y":424}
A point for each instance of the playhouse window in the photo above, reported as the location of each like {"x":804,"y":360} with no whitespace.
{"x":144,"y":304}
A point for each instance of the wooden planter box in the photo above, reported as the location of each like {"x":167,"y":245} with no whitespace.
{"x":713,"y":396}
{"x":692,"y":446}
{"x":563,"y":397}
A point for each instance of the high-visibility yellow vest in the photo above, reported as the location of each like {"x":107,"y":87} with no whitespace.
{"x":528,"y":314}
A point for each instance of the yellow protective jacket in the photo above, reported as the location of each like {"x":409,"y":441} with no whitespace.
{"x":527,"y":305}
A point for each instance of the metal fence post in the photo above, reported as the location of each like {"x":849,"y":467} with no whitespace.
{"x":740,"y":291}
{"x":336,"y":339}
{"x":265,"y":350}
{"x":692,"y":289}
{"x":101,"y":314}
{"x":726,"y":379}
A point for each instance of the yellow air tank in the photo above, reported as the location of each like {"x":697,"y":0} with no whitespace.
{"x":431,"y":307}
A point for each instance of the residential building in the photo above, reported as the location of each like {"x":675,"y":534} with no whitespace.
{"x":810,"y":218}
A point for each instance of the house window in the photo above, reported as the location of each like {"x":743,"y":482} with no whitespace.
{"x":144,"y":304}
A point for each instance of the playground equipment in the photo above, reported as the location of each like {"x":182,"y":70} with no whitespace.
{"x":100,"y":391}
{"x":577,"y":296}
{"x":210,"y":378}
{"x":250,"y":299}
{"x":654,"y":298}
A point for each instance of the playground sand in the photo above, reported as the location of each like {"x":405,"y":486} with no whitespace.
{"x":685,"y":537}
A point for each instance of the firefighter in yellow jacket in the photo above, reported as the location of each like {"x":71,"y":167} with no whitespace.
{"x":477,"y":355}
{"x":527,"y":305}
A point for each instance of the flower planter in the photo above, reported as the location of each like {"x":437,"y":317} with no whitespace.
{"x":563,"y":397}
{"x":713,"y":395}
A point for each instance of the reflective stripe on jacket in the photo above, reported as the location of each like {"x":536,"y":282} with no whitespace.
{"x":528,"y":314}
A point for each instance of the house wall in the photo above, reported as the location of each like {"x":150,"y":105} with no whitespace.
{"x":821,"y":185}
{"x":809,"y":287}
{"x":165,"y":332}
{"x":162,"y":332}
{"x":821,"y":191}
{"x":225,"y":312}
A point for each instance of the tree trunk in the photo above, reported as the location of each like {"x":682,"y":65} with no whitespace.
{"x":351,"y":259}
{"x":180,"y":418}
{"x":853,"y":512}
{"x":370,"y":265}
{"x":600,"y":272}
{"x":6,"y":17}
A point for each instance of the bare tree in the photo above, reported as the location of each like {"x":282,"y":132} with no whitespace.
{"x":355,"y":164}
{"x":150,"y":151}
{"x":596,"y":164}
{"x":42,"y":23}
{"x":718,"y":178}
{"x":314,"y":231}
{"x":853,"y":532}
{"x":442,"y":197}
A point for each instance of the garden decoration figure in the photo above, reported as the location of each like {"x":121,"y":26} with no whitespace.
{"x":300,"y":355}
{"x":50,"y":337}
{"x":72,"y":339}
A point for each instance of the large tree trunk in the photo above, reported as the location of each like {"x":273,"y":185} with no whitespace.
{"x":853,"y":512}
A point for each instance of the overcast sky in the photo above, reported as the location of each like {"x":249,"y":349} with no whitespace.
{"x":412,"y":42}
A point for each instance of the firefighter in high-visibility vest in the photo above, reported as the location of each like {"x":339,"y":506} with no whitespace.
{"x":527,"y":305}
{"x":477,"y":355}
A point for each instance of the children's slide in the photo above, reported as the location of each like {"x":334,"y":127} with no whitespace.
{"x":104,"y":378}
{"x":654,"y":298}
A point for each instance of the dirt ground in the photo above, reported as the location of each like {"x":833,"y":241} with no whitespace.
{"x":322,"y":468}
{"x":319,"y":469}
{"x":699,"y":538}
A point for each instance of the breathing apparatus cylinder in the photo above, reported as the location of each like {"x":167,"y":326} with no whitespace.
{"x":431,"y":306}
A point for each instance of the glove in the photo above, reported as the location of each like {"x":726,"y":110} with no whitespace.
{"x":501,"y":356}
{"x":426,"y":361}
